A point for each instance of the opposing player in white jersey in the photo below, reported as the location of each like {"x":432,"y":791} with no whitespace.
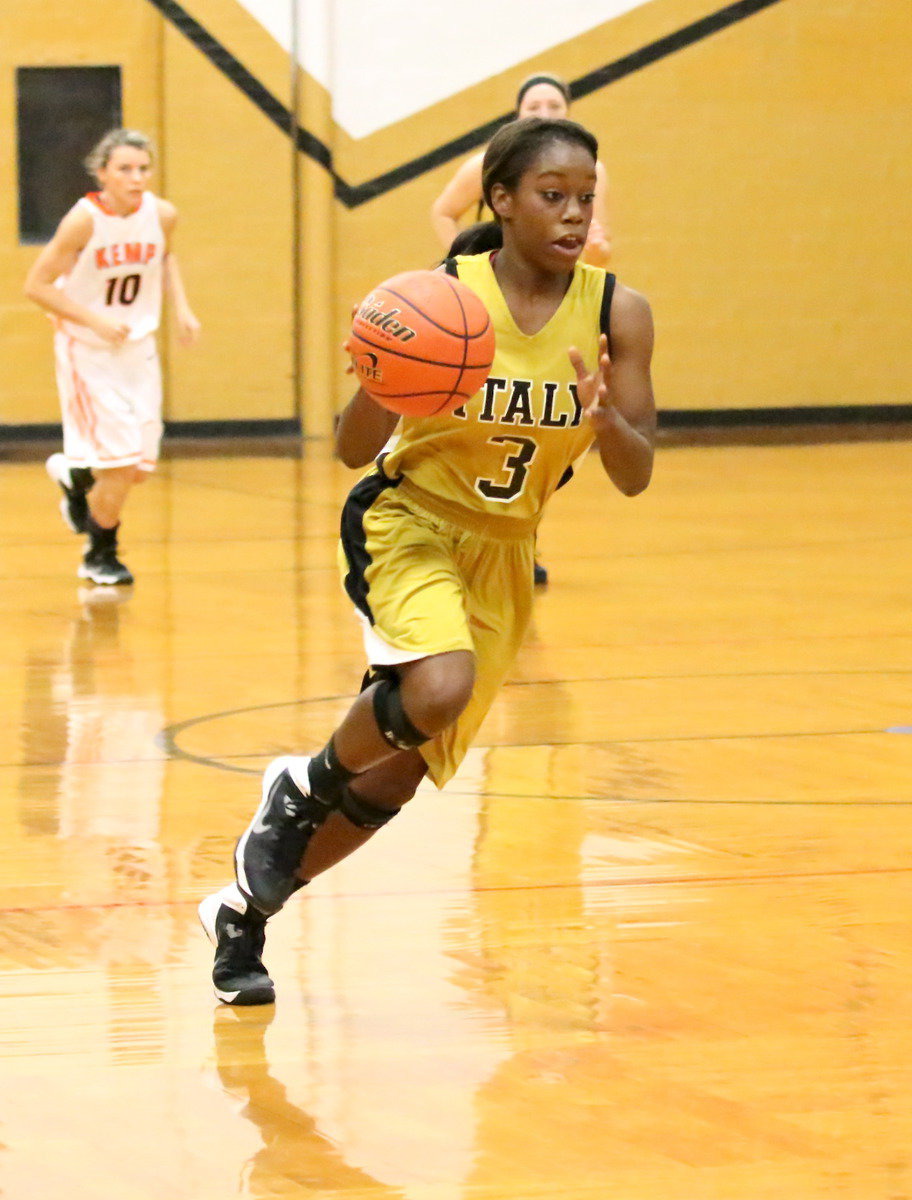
{"x":101,"y":279}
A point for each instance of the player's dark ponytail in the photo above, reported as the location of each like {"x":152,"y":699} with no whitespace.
{"x":477,"y":239}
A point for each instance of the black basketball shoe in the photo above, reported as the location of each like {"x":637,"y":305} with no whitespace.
{"x":270,"y":849}
{"x":100,"y":562}
{"x":101,"y":565}
{"x":238,"y":933}
{"x":74,"y":482}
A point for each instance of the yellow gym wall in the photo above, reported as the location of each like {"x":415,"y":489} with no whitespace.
{"x":228,"y":170}
{"x":760,"y":196}
{"x":53,"y":33}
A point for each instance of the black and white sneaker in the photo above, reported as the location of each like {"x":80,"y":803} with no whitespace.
{"x":101,"y":565}
{"x":270,"y":849}
{"x":239,"y":935}
{"x":74,"y":483}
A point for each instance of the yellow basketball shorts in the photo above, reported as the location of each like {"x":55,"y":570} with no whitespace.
{"x":425,"y":579}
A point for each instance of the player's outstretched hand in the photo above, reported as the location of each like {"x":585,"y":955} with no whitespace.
{"x":592,"y":387}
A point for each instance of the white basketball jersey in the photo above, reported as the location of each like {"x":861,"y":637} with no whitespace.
{"x":119,"y":272}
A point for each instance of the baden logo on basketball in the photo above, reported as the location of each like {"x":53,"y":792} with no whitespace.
{"x":371,"y":311}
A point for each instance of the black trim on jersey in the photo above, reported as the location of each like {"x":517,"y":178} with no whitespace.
{"x":353,"y":195}
{"x":605,"y":326}
{"x":354,"y":539}
{"x":605,"y":312}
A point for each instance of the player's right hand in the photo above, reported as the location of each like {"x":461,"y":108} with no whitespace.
{"x":114,"y":335}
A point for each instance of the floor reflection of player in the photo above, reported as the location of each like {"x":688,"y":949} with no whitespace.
{"x":91,"y":724}
{"x":294,"y":1152}
{"x":111,"y":776}
{"x":535,"y":936}
{"x":545,"y":966}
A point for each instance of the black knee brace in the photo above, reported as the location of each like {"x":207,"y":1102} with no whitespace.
{"x":392,"y":719}
{"x":362,"y":814}
{"x":327,"y":775}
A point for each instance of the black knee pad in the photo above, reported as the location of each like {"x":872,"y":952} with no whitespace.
{"x":392,"y":719}
{"x":327,"y":775}
{"x":362,"y":814}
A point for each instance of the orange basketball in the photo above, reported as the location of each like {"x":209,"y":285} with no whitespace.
{"x":421,"y":343}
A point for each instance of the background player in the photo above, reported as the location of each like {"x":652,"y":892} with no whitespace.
{"x":437,"y":539}
{"x":101,"y":277}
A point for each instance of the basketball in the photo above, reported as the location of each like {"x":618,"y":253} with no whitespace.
{"x":421,"y":343}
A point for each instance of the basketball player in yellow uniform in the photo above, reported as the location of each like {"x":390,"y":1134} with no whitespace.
{"x":539,"y":95}
{"x":438,"y":539}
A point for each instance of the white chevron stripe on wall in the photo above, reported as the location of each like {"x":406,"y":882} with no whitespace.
{"x":384,"y":62}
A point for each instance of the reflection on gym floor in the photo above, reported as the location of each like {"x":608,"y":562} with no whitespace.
{"x":651,"y":942}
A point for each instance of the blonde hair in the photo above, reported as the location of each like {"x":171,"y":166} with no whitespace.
{"x":98,"y":157}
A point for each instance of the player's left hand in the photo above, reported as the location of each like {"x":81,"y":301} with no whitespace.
{"x":188,"y":328}
{"x":593,"y":387}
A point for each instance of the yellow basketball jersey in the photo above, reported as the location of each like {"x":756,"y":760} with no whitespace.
{"x":507,"y":449}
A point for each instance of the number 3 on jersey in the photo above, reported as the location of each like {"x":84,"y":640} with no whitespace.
{"x":517,"y":464}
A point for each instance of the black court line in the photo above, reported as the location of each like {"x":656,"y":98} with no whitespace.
{"x":353,"y":195}
{"x":168,"y":739}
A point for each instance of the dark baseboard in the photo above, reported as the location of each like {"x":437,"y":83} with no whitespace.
{"x":271,"y":427}
{"x":801,"y":414}
{"x":801,"y":424}
{"x":278,"y":437}
{"x":30,"y":433}
{"x":183,"y":439}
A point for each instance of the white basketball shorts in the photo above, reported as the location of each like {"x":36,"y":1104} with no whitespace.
{"x":110,"y":400}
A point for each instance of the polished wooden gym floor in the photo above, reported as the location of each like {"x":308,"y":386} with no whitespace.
{"x":654,"y":942}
